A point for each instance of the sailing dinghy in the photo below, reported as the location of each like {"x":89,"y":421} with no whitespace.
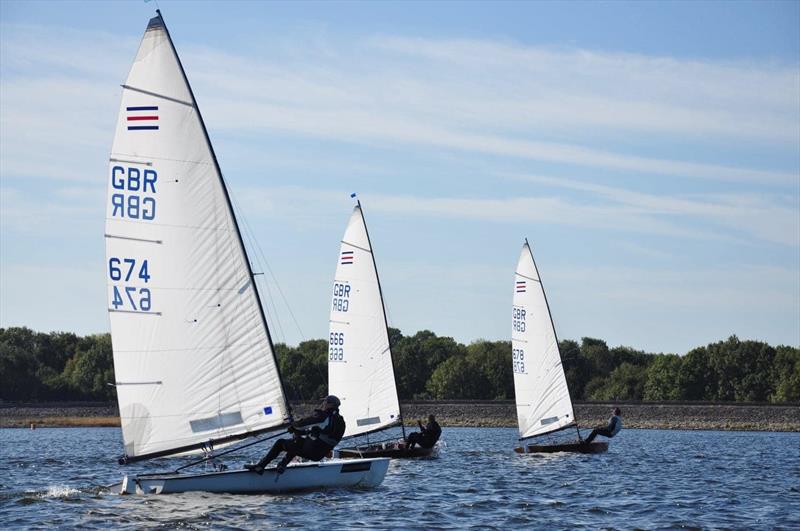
{"x":544,"y":405}
{"x":193,"y":357}
{"x":360,"y":364}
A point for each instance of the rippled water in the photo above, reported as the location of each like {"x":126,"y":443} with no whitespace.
{"x":649,"y":479}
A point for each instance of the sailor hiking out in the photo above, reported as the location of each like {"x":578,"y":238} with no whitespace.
{"x":427,"y":436}
{"x":613,"y":427}
{"x":314,"y":437}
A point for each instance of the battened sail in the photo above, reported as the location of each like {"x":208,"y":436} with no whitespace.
{"x":193,"y":358}
{"x":542,"y":395}
{"x":360,"y":370}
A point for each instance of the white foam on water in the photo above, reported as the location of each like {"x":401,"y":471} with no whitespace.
{"x":59,"y":491}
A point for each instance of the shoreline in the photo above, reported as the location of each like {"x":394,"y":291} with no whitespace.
{"x":680,"y":416}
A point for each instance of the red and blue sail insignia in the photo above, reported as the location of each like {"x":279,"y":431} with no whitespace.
{"x":143,"y":118}
{"x":347,"y":257}
{"x":521,"y":286}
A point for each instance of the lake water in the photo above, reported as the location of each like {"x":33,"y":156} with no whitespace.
{"x":52,"y":478}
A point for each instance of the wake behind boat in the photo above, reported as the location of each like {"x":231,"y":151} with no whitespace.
{"x":360,"y":365}
{"x":544,"y":405}
{"x":193,"y":357}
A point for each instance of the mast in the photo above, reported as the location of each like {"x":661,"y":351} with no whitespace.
{"x":385,"y":321}
{"x":233,"y":216}
{"x":552,"y":324}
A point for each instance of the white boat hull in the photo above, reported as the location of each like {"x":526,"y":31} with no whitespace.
{"x":302,"y":476}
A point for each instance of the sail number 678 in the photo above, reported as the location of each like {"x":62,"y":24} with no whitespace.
{"x":518,"y":356}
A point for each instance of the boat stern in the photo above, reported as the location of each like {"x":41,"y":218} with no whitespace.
{"x":133,"y":485}
{"x":372,"y":470}
{"x":128,"y":486}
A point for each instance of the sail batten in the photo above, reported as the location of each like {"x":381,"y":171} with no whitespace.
{"x":542,"y":399}
{"x":360,"y":367}
{"x":182,"y":312}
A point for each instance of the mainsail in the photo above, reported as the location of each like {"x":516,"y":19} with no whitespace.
{"x":542,"y":395}
{"x":360,"y":369}
{"x":193,"y":358}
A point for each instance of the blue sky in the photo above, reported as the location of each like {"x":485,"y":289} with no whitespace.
{"x":649,"y":152}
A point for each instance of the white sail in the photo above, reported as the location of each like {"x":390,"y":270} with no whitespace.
{"x":360,"y":370}
{"x":193,"y":359}
{"x":542,"y":396}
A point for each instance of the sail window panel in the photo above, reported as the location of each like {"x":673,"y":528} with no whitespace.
{"x":371,"y":421}
{"x":223,"y":420}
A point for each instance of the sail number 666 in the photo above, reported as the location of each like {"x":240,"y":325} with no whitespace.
{"x":336,"y":346}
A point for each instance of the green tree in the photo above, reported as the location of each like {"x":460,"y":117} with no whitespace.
{"x":742,"y":369}
{"x":620,"y":355}
{"x":626,"y":382}
{"x":457,"y":378}
{"x":596,"y":351}
{"x":493,"y":360}
{"x":395,"y":337}
{"x":416,"y":357}
{"x":304,"y":369}
{"x":577,"y":368}
{"x":697,"y":380}
{"x":18,"y":379}
{"x":786,"y":375}
{"x":89,"y":371}
{"x":662,"y":378}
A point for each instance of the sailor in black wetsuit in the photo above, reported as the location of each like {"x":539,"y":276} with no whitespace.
{"x":314,"y":443}
{"x":428,"y":435}
{"x":613,"y":427}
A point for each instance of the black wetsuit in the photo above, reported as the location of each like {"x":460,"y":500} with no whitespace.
{"x":314,"y":443}
{"x":614,"y":425}
{"x":427,"y":438}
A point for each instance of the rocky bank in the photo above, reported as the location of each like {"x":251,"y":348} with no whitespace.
{"x":693,"y":416}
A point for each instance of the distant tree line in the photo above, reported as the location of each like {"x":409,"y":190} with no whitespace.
{"x":63,"y":366}
{"x":55,"y":366}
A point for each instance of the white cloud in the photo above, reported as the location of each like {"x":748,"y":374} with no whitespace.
{"x":408,"y":107}
{"x":768,"y":217}
{"x":733,"y":218}
{"x":484,"y":97}
{"x":61,"y":213}
{"x":621,"y":90}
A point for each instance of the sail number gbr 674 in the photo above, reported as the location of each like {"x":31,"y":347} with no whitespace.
{"x":132,"y":197}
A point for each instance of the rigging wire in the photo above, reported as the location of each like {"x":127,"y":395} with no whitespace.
{"x":230,"y":451}
{"x":261,"y":260}
{"x":274,"y":315}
